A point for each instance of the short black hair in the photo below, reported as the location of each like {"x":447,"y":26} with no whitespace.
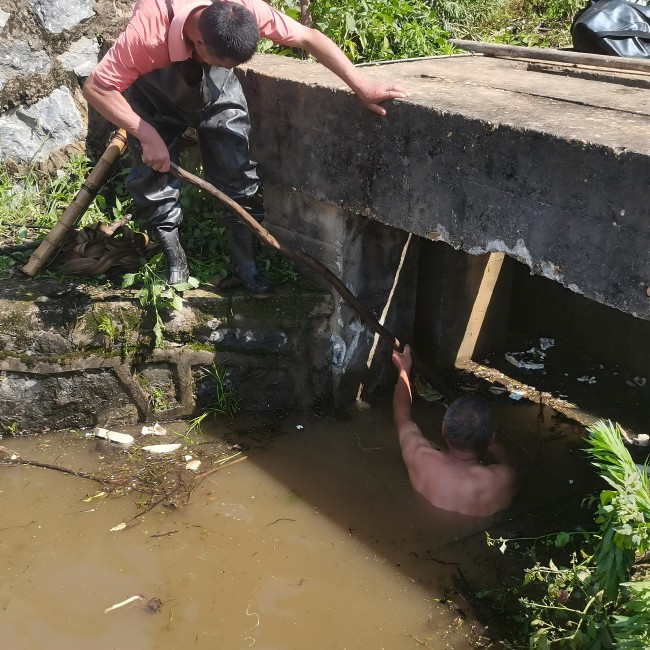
{"x":469,"y":424}
{"x":229,"y":30}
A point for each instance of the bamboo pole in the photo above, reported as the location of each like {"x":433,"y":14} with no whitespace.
{"x":620,"y":63}
{"x":263,"y":234}
{"x":78,"y":206}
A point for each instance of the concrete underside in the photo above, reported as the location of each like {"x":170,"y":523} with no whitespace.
{"x":485,"y":155}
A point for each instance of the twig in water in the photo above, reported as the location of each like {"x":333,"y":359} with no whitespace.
{"x":34,"y":463}
{"x":281,"y":519}
{"x":171,"y":532}
{"x":422,"y":643}
{"x":212,"y":470}
{"x":124,"y":602}
{"x":18,"y":526}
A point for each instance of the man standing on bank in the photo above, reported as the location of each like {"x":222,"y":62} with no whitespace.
{"x":174,"y":63}
{"x":457,"y":479}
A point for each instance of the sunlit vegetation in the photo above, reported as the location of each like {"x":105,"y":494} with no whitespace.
{"x":588,"y":589}
{"x":380,"y":30}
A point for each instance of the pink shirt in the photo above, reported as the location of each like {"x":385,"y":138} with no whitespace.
{"x":150,"y":42}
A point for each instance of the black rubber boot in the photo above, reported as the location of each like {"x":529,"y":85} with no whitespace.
{"x":177,"y":269}
{"x":244,"y":265}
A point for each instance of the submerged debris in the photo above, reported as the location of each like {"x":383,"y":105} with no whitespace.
{"x":425,"y":390}
{"x":531,"y":359}
{"x":150,"y":604}
{"x":162,"y":449}
{"x":521,"y":362}
{"x":155,"y":430}
{"x":163,"y":474}
{"x":113,"y":436}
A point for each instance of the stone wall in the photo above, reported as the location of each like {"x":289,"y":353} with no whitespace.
{"x":47,"y":48}
{"x":80,"y":356}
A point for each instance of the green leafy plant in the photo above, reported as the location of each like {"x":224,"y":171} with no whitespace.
{"x":631,"y":622}
{"x":278,"y":268}
{"x":204,"y":234}
{"x":106,"y":326}
{"x":587,"y":599}
{"x":376,"y":30}
{"x":196,"y":424}
{"x":623,"y":512}
{"x":531,"y":23}
{"x":10,"y":428}
{"x":379,"y":30}
{"x":225,"y":400}
{"x":32,"y":201}
{"x":156,"y":294}
{"x":157,"y":399}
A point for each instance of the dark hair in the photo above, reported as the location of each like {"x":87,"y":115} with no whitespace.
{"x":469,"y":424}
{"x":229,"y":30}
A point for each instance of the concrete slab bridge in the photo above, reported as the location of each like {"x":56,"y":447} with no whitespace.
{"x":489,"y":168}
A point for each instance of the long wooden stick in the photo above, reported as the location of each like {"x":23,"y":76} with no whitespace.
{"x":620,"y":63}
{"x":57,"y":468}
{"x":78,"y":206}
{"x":263,"y":234}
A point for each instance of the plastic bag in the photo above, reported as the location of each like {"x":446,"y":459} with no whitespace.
{"x":613,"y":27}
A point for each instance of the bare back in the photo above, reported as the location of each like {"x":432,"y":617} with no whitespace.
{"x":452,"y":484}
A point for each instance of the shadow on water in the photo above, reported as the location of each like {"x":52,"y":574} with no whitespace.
{"x":315,"y":540}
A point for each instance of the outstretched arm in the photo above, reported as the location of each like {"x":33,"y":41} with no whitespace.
{"x":325,"y":51}
{"x":417,"y":452}
{"x":402,"y":396}
{"x":410,"y":436}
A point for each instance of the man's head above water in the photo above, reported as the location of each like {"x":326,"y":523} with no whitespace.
{"x":456,"y":480}
{"x":229,"y":32}
{"x":468,"y":425}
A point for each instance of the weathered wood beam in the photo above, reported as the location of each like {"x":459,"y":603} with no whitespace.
{"x":624,"y":64}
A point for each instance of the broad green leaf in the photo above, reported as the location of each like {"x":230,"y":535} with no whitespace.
{"x":128,"y":279}
{"x":177,"y":303}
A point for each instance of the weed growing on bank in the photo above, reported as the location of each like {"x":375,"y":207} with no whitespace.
{"x":529,"y":23}
{"x":381,"y":30}
{"x":224,"y":398}
{"x":32,"y":201}
{"x":588,"y":590}
{"x":373,"y":30}
{"x":156,"y":294}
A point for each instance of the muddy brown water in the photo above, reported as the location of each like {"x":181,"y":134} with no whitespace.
{"x":315,"y":540}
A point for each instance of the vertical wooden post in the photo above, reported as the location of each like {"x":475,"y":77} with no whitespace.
{"x":480,"y":307}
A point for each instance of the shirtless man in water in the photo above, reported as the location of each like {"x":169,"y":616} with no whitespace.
{"x":453,"y":480}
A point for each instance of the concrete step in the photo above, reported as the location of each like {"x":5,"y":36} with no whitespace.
{"x":75,"y":355}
